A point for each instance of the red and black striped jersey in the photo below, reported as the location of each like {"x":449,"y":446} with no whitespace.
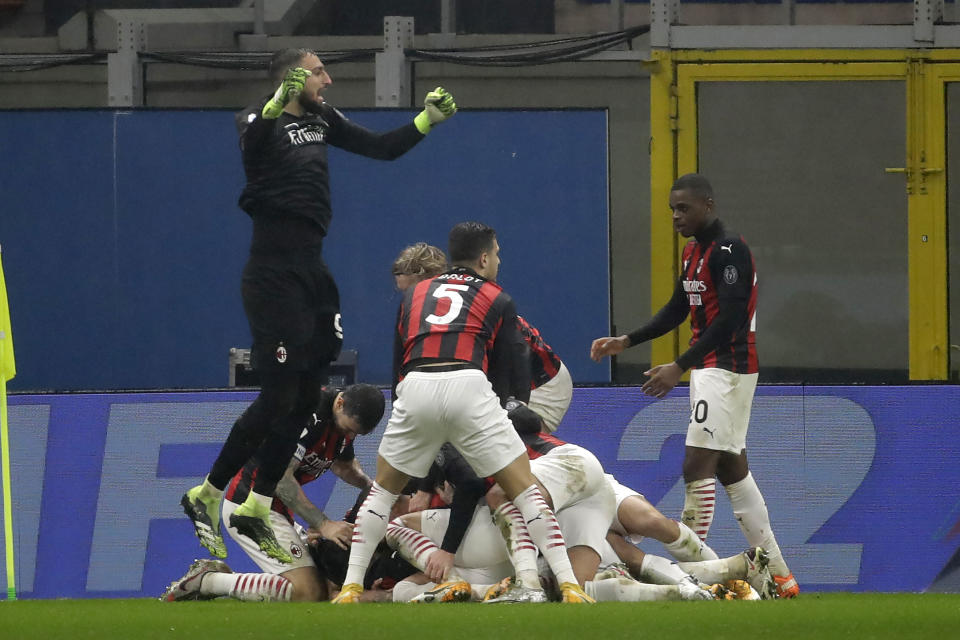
{"x":320,"y":445}
{"x":540,"y":443}
{"x":544,"y":363}
{"x":461,"y":316}
{"x":718,"y":274}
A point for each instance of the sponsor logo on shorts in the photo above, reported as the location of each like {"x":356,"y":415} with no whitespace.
{"x":281,"y":353}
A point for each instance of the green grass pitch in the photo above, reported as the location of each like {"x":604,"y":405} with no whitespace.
{"x":811,"y":617}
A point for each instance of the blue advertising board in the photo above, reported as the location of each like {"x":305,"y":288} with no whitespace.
{"x":859,"y":481}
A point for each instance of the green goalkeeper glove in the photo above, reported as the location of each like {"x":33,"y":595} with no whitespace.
{"x":438,"y":105}
{"x":291,"y":86}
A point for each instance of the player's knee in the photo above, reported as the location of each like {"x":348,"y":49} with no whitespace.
{"x":496,"y":497}
{"x":307,"y":589}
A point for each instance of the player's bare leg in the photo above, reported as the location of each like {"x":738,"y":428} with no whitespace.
{"x":370,"y":528}
{"x":585,"y":562}
{"x":639,"y":517}
{"x":657,"y":571}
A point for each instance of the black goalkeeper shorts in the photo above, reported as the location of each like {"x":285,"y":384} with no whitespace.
{"x":293,"y":308}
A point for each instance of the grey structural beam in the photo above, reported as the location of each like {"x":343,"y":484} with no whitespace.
{"x":394,"y":71}
{"x":124,"y":68}
{"x":926,"y":31}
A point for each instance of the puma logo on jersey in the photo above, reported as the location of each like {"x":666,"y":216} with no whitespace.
{"x":709,"y":431}
{"x":728,"y":248}
{"x":382,"y":517}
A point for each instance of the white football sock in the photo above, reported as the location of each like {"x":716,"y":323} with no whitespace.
{"x":751,"y":513}
{"x":699,"y":500}
{"x":627,"y":590}
{"x":720,"y":570}
{"x":478,"y":591}
{"x":659,"y":570}
{"x":545,"y":532}
{"x":413,"y":546}
{"x":520,"y":547}
{"x":368,"y":531}
{"x":249,"y":587}
{"x":405,"y":591}
{"x":688,"y":547}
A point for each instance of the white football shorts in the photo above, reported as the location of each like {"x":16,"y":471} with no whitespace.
{"x":458,"y":407}
{"x":482,"y":545}
{"x":552,"y":399}
{"x":621,"y":492}
{"x":582,"y":498}
{"x":291,"y":537}
{"x":720,"y":403}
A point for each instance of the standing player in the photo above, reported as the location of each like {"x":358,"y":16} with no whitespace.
{"x":551,"y":385}
{"x":326,"y":443}
{"x":717,"y":287}
{"x":453,"y":331}
{"x":289,"y":296}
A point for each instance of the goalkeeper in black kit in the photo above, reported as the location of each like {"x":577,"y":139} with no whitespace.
{"x":289,"y":296}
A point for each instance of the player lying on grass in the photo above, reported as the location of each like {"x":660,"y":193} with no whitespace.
{"x":635,"y":516}
{"x":326,"y":443}
{"x":482,"y":570}
{"x":566,"y":472}
{"x":570,"y":476}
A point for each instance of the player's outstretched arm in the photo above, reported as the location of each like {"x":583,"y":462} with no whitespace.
{"x":663,"y":378}
{"x":608,"y":346}
{"x":289,"y":88}
{"x":438,"y":105}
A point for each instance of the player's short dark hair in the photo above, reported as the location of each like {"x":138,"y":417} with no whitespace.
{"x":364,"y":403}
{"x":695,"y":184}
{"x":284,"y":60}
{"x":469,"y":240}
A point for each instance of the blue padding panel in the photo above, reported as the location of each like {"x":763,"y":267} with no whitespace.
{"x":123,"y":244}
{"x":859,"y":481}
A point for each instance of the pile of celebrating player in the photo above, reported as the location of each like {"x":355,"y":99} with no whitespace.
{"x":474,"y":498}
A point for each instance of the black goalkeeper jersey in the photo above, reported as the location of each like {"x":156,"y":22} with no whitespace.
{"x":288,"y":183}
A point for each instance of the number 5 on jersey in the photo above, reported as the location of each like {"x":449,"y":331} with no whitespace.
{"x":449,"y":291}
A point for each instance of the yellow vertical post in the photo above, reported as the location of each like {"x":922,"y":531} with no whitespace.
{"x":687,"y":162}
{"x":663,"y":171}
{"x":927,"y":222}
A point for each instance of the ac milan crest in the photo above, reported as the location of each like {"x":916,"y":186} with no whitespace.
{"x":281,"y":353}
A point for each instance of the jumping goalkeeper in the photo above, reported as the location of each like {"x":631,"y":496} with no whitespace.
{"x":289,"y":296}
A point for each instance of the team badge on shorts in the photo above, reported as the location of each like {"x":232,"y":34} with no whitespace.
{"x":730,"y":274}
{"x":296,"y":551}
{"x":281,"y":353}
